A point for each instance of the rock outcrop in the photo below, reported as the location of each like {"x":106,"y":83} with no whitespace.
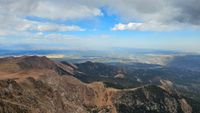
{"x":39,"y":85}
{"x":151,"y":99}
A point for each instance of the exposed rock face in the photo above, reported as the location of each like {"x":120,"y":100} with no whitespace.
{"x":69,"y":95}
{"x":36,"y":86}
{"x":186,"y":108}
{"x":151,"y":99}
{"x":22,"y":92}
{"x":53,"y":95}
{"x":119,"y":76}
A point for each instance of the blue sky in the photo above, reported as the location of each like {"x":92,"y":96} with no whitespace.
{"x":94,"y":25}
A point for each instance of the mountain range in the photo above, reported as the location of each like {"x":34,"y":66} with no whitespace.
{"x":32,"y":84}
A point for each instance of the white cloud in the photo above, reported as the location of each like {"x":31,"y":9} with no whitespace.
{"x":40,"y":27}
{"x":60,"y":28}
{"x":17,"y":26}
{"x":12,"y":14}
{"x":129,"y":26}
{"x":151,"y":26}
{"x":65,"y":10}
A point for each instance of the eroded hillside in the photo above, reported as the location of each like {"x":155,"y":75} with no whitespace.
{"x":39,"y":85}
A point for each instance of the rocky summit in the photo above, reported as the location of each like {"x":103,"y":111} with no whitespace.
{"x":33,"y":84}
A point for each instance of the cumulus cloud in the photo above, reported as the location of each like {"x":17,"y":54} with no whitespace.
{"x":129,"y":26}
{"x":144,"y":27}
{"x":188,"y":11}
{"x":154,"y":14}
{"x":59,"y":9}
{"x":64,"y":10}
{"x":165,"y":11}
{"x":17,"y":26}
{"x":157,"y":15}
{"x":12,"y":14}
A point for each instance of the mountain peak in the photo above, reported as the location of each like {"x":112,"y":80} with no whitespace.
{"x":33,"y":64}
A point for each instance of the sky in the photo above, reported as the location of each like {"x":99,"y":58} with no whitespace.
{"x":100,"y":24}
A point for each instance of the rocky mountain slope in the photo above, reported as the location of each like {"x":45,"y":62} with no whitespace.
{"x":39,"y":85}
